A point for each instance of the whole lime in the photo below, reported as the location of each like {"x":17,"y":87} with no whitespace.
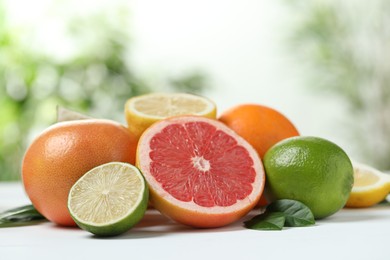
{"x":311,"y":170}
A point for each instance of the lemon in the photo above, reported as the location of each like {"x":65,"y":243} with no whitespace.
{"x":371,"y":186}
{"x":311,"y":170}
{"x":142,"y":111}
{"x":109,"y":199}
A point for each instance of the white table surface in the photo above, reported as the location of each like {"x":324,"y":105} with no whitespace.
{"x":349,"y":234}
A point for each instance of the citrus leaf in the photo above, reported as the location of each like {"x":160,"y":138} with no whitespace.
{"x":266,"y":221}
{"x":25,"y":215}
{"x":64,"y":114}
{"x":297,"y":214}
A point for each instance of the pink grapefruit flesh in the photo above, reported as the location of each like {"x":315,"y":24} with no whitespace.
{"x":200,"y":173}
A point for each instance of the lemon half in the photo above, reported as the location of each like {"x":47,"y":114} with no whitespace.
{"x":142,"y":111}
{"x":371,"y":186}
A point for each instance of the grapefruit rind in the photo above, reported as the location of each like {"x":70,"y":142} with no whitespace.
{"x":190,"y":213}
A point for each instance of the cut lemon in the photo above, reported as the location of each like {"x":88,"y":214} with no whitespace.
{"x":370,"y":186}
{"x":109,"y":199}
{"x":142,"y":111}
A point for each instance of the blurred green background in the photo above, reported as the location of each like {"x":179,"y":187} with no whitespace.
{"x":339,"y":50}
{"x":95,"y":79}
{"x":344,"y":46}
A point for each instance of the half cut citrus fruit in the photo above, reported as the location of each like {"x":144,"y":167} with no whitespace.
{"x":109,"y":199}
{"x":200,"y":173}
{"x":142,"y":111}
{"x":370,"y":186}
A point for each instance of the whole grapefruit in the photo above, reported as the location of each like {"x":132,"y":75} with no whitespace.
{"x":65,"y":151}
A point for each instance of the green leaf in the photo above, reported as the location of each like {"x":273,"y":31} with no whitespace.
{"x":266,"y":221}
{"x":21,"y":216}
{"x":297,"y":214}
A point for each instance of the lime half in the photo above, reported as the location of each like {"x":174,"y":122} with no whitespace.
{"x":109,"y":199}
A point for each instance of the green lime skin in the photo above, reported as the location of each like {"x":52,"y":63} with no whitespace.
{"x":311,"y":170}
{"x":121,"y":226}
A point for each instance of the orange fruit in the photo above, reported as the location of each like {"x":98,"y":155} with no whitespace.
{"x":261,"y":126}
{"x":64,"y":152}
{"x":200,"y":172}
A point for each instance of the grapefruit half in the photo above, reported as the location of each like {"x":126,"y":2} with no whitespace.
{"x":200,"y":172}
